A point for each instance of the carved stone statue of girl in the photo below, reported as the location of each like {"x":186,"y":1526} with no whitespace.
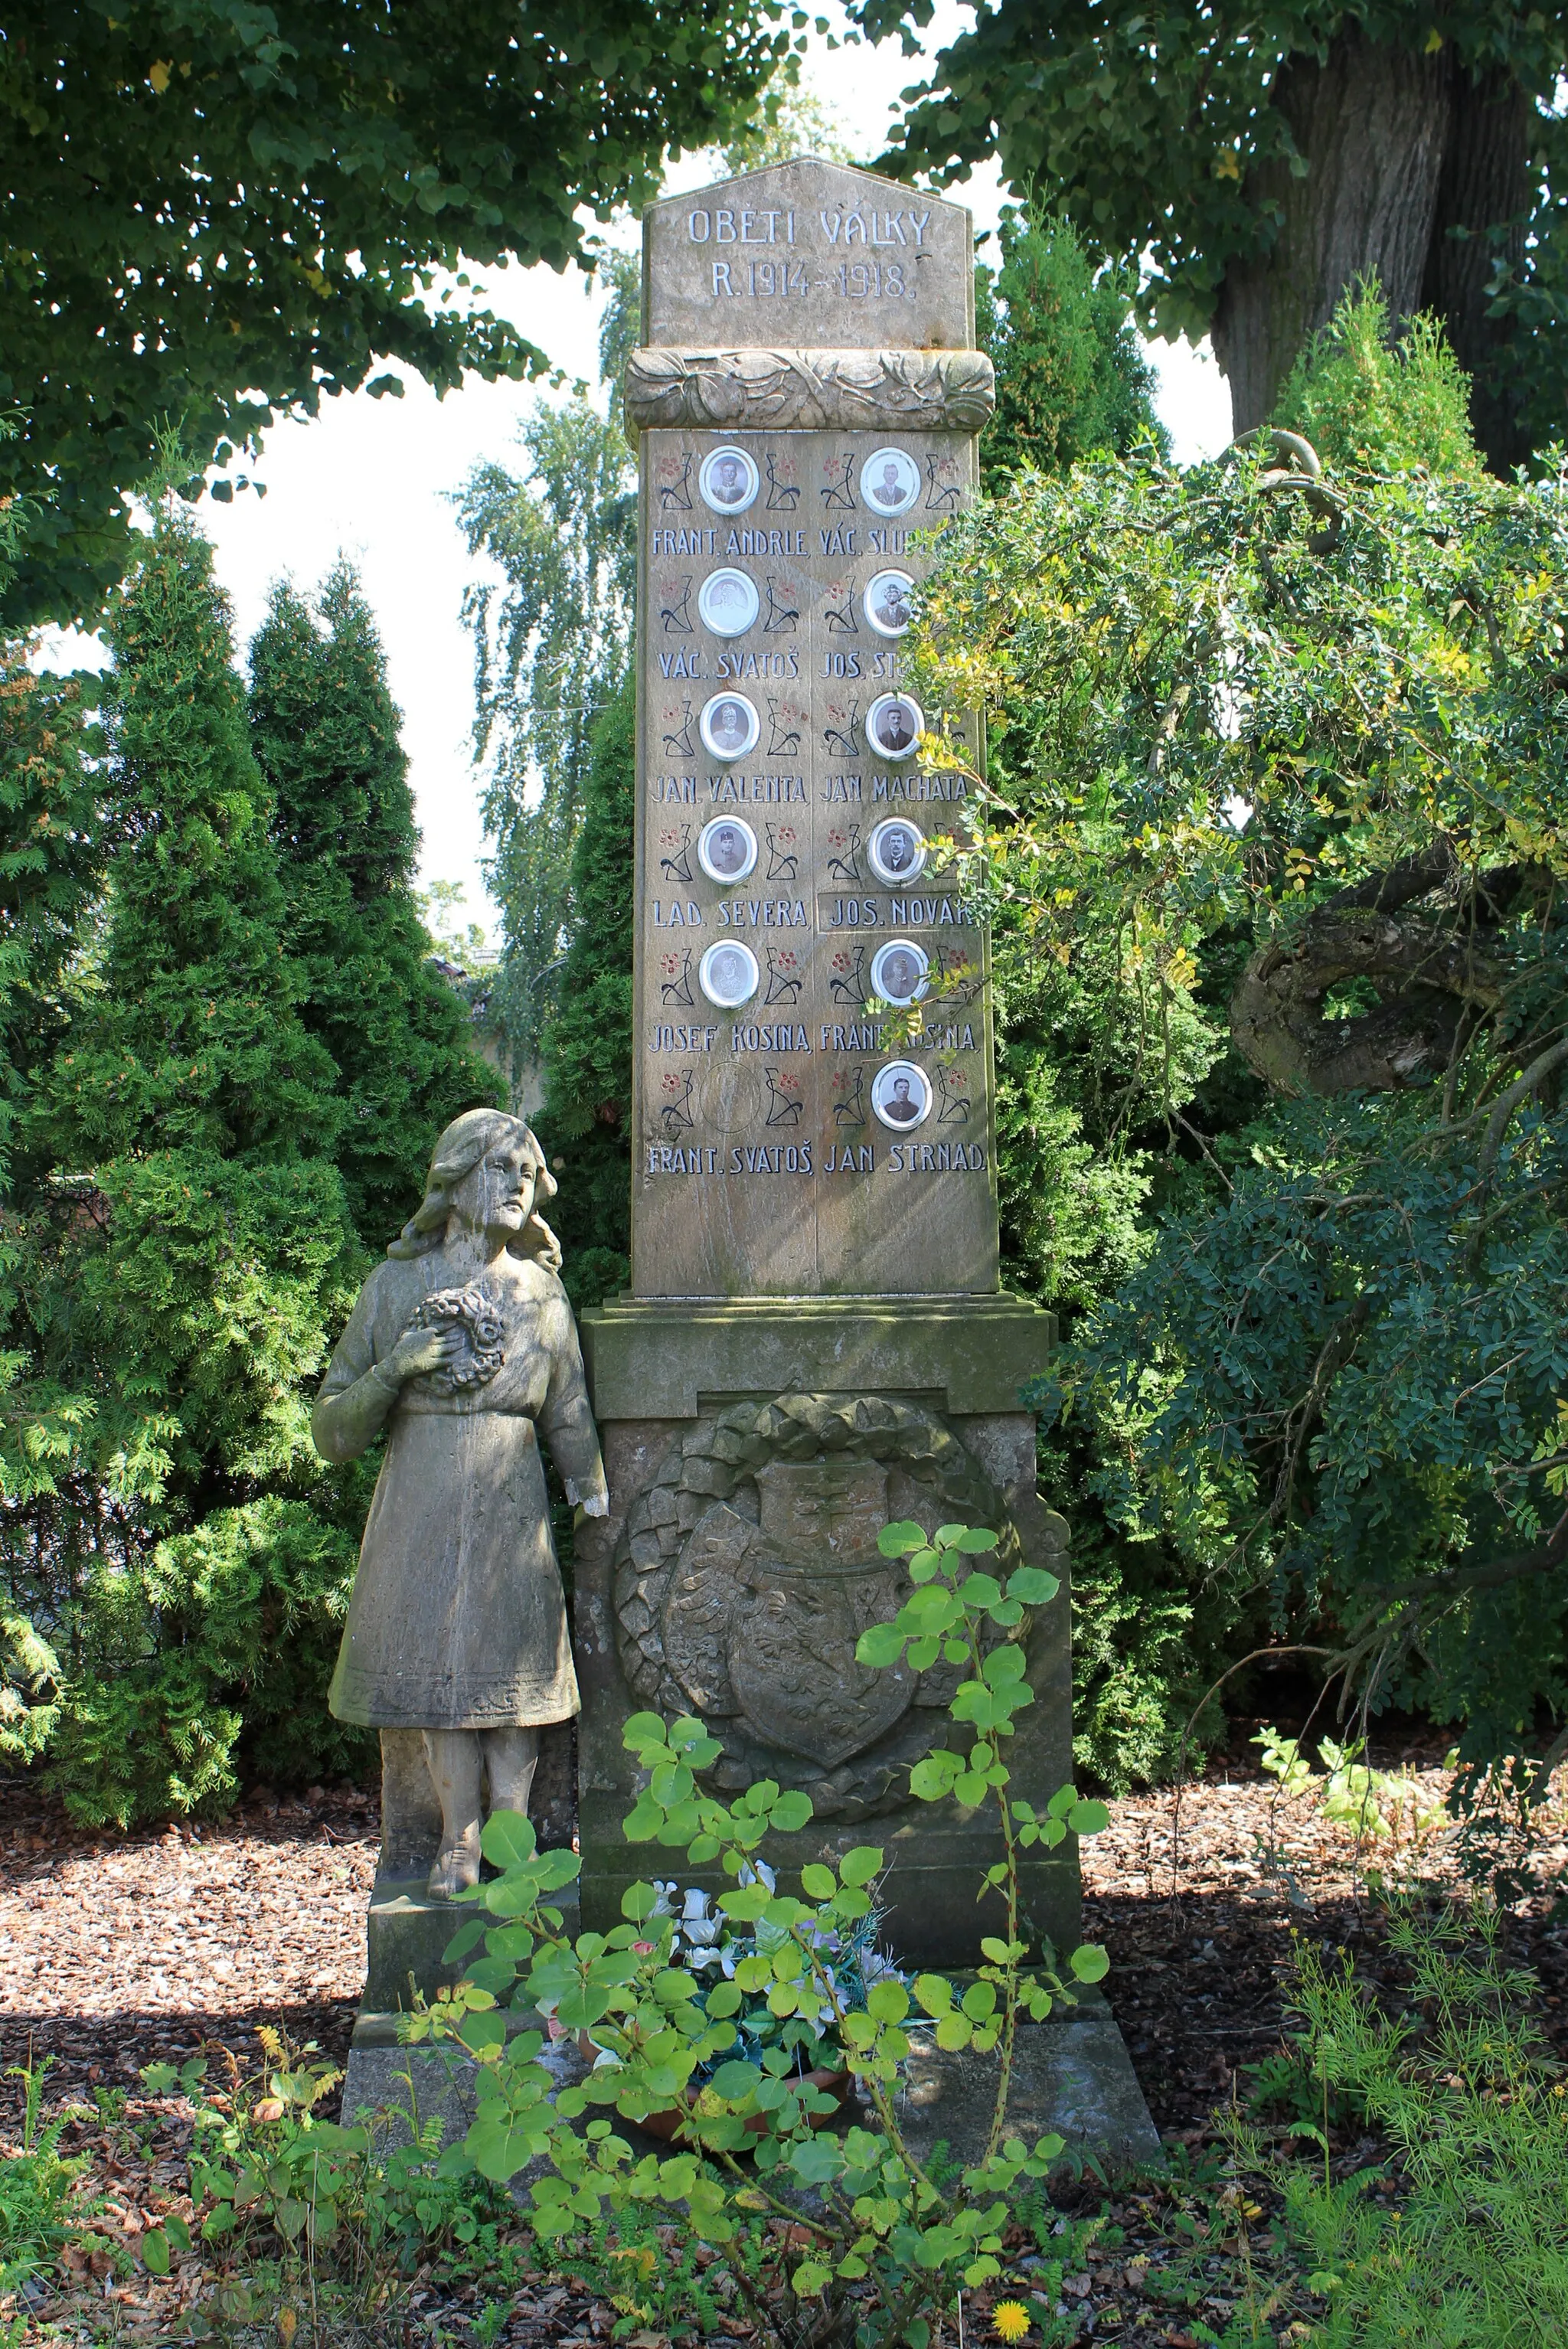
{"x":462,"y":1343}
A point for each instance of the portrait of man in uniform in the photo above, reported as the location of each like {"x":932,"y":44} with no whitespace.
{"x":728,"y":975}
{"x":729,"y":726}
{"x":887,"y":605}
{"x":901,"y":1095}
{"x":728,"y":849}
{"x":729,"y":481}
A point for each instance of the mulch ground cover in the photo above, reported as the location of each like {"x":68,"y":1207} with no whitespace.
{"x":119,"y":1950}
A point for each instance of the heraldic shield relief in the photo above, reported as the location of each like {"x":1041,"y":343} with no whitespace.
{"x":747,"y":1572}
{"x":762,"y":1620}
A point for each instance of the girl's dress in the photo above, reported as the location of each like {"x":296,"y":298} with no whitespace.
{"x":457,"y":1618}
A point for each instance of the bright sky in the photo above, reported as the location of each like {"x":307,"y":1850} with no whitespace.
{"x":372,"y":478}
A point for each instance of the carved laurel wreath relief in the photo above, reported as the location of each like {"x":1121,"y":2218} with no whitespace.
{"x":931,"y":391}
{"x":749,"y":1569}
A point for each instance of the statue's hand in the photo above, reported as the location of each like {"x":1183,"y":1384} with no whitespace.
{"x":425,"y":1350}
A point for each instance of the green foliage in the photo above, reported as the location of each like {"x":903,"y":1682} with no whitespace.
{"x":879,"y":2217}
{"x":1070,"y":376}
{"x":216,"y":213}
{"x":323,"y":730}
{"x":180,"y":1246}
{"x":441,"y":909}
{"x":41,"y":2202}
{"x":1158,"y":131}
{"x":791,"y":121}
{"x":1370,"y":1804}
{"x":585,"y":1124}
{"x":550,"y":647}
{"x":1219,"y":709}
{"x":267,"y":2167}
{"x":1470,"y":2250}
{"x":54,"y":842}
{"x":1366,"y":401}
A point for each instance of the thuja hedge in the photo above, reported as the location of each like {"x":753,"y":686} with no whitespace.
{"x":245,"y":1063}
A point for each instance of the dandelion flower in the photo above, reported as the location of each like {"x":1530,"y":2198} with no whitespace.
{"x":1010,"y":2319}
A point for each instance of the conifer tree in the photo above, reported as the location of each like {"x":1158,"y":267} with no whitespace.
{"x":184,"y":1256}
{"x":585,"y":1124}
{"x":1071,"y":378}
{"x":324,"y":727}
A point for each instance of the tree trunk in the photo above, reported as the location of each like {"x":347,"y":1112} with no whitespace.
{"x":1371,"y":124}
{"x":1401,"y":151}
{"x":1485,"y":181}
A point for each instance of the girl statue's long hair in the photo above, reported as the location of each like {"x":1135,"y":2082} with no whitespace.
{"x":457,"y":1151}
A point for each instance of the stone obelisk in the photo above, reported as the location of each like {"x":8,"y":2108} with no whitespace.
{"x":815,"y":1340}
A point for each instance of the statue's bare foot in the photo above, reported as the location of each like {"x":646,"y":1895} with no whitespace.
{"x":457,"y":1867}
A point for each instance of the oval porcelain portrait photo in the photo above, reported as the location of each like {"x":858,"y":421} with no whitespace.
{"x":728,"y":603}
{"x":890,"y":481}
{"x":726,"y":849}
{"x":885,"y":602}
{"x":895,"y":724}
{"x":729,"y":481}
{"x":901,"y":1095}
{"x":729,"y":726}
{"x":728,"y":975}
{"x":897,"y":851}
{"x":899,"y":971}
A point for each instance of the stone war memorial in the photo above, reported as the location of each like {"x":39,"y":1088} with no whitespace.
{"x":815,"y":1343}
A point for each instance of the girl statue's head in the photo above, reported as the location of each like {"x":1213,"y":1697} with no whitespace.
{"x":460,"y":1151}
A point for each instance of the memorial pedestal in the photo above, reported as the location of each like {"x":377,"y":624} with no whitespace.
{"x":1071,"y":2077}
{"x":727,"y":1429}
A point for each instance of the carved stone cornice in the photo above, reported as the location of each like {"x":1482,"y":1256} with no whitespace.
{"x":752,"y":390}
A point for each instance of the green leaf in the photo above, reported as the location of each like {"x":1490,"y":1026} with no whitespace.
{"x":858,"y":1865}
{"x":507,"y":1839}
{"x":898,"y":1541}
{"x":467,"y":1937}
{"x":491,"y":1974}
{"x":737,"y":2080}
{"x":791,"y":1812}
{"x":931,"y":1780}
{"x":154,"y":2248}
{"x":1032,"y":1585}
{"x":934,"y":1992}
{"x":887,"y":2002}
{"x":1089,"y":1962}
{"x":558,"y":1868}
{"x":818,"y":1881}
{"x":1089,"y":1817}
{"x":974,"y":1538}
{"x":638,"y":1902}
{"x":879,"y":1646}
{"x":483,"y":2030}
